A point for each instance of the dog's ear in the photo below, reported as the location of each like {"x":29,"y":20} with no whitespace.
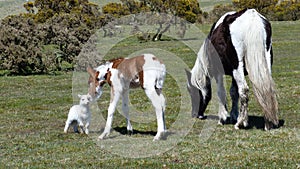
{"x":79,"y":95}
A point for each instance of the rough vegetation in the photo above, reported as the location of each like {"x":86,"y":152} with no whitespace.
{"x":51,"y":33}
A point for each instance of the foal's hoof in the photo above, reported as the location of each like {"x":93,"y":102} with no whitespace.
{"x":101,"y":137}
{"x":130,"y":132}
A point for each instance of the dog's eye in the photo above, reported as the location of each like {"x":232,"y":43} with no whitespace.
{"x":97,"y":79}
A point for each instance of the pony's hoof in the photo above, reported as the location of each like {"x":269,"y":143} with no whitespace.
{"x":245,"y":123}
{"x":236,"y":127}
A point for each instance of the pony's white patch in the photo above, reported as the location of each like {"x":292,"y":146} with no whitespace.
{"x":248,"y":36}
{"x":80,"y":115}
{"x":222,"y":18}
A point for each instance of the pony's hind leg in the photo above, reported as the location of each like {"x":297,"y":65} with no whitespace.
{"x":222,"y":100}
{"x":243,"y":91}
{"x":158,"y":101}
{"x":234,"y":113}
{"x":125,"y":109}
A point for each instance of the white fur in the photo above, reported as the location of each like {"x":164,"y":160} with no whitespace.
{"x":80,"y":115}
{"x":154,"y":74}
{"x":248,"y":38}
{"x":200,"y":71}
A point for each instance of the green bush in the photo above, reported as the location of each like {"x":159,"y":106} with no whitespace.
{"x":48,"y":39}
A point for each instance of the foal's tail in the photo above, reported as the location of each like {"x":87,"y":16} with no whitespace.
{"x":259,"y":74}
{"x":200,"y":72}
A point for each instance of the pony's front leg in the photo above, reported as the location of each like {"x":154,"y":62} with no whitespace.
{"x":243,"y":90}
{"x":125,"y":109}
{"x":234,"y":94}
{"x":222,"y":99}
{"x":115,"y":95}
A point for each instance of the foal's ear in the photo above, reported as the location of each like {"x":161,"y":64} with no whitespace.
{"x":96,"y":75}
{"x":91,"y":71}
{"x":79,"y":95}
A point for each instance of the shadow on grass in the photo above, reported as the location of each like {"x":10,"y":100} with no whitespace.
{"x":124,"y":131}
{"x":257,"y":122}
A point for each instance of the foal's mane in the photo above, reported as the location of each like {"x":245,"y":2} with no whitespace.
{"x":116,"y":62}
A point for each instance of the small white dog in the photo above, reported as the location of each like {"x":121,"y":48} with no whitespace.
{"x":80,"y":114}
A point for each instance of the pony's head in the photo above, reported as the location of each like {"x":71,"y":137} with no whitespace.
{"x":199,"y":102}
{"x":97,"y":79}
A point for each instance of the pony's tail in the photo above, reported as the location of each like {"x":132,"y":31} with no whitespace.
{"x":200,"y":70}
{"x":259,"y":74}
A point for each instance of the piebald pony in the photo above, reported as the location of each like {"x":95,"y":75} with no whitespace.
{"x":238,"y":44}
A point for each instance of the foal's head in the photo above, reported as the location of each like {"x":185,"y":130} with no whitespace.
{"x":97,"y":79}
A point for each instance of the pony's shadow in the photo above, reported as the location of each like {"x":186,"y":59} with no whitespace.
{"x":257,"y":122}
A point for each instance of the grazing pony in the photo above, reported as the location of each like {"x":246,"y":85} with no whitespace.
{"x":238,"y":44}
{"x":122,"y":74}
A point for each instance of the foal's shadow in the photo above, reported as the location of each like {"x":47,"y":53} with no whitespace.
{"x":124,"y":131}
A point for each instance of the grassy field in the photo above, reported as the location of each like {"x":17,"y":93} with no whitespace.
{"x":33,"y":110}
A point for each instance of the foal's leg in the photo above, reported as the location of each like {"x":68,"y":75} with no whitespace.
{"x":222,"y":99}
{"x":243,"y":90}
{"x":125,"y":108}
{"x":235,"y":101}
{"x":115,"y":95}
{"x":158,"y":101}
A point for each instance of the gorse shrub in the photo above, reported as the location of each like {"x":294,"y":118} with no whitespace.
{"x":48,"y":36}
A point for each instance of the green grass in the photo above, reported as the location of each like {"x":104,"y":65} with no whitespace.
{"x":33,"y":110}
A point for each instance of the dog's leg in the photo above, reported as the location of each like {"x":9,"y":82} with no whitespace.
{"x":115,"y":95}
{"x":81,"y":126}
{"x":235,"y":102}
{"x":87,"y":125}
{"x":67,"y":126}
{"x":222,"y":99}
{"x":125,"y":108}
{"x":158,"y":102}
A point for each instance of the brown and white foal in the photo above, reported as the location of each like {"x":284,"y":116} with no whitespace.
{"x":122,"y":74}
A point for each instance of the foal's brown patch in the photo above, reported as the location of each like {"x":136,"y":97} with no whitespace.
{"x":93,"y":80}
{"x":116,"y":62}
{"x":131,"y":68}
